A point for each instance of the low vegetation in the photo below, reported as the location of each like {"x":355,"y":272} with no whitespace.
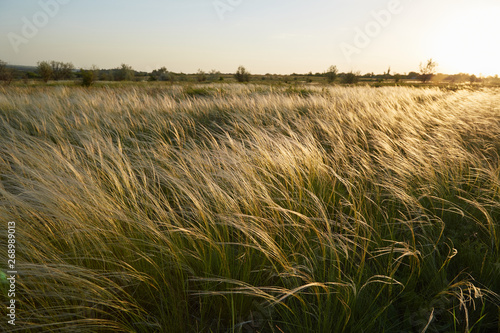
{"x":252,"y":208}
{"x":242,"y":75}
{"x":49,"y":71}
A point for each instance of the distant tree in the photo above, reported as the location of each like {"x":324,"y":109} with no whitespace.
{"x":106,"y":75}
{"x":473,"y":79}
{"x":350,"y":78}
{"x":331,"y":74}
{"x":164,"y":75}
{"x":44,"y":70}
{"x":161,"y":74}
{"x":242,"y":75}
{"x":67,"y":70}
{"x":428,"y":70}
{"x":201,"y":76}
{"x":124,"y":73}
{"x":387,"y":75}
{"x":61,"y":70}
{"x":6,"y":73}
{"x":397,"y":78}
{"x":182,"y":77}
{"x":214,"y":75}
{"x":89,"y":76}
{"x":413,"y":75}
{"x":56,"y":70}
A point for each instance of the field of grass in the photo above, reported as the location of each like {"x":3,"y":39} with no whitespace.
{"x":251,"y":208}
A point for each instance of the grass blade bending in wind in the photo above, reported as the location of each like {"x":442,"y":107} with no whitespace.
{"x":252,"y":208}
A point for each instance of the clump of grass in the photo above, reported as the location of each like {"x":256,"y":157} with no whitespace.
{"x":302,"y":92}
{"x":140,"y":208}
{"x":196,"y":91}
{"x":204,"y":91}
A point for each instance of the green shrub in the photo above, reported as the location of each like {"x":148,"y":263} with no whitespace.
{"x":331,"y":74}
{"x":201,"y":76}
{"x":350,"y":78}
{"x":89,"y":76}
{"x":242,"y":75}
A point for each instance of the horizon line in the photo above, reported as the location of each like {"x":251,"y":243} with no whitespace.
{"x":359,"y":73}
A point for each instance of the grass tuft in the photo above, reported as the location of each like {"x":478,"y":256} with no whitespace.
{"x":252,"y":208}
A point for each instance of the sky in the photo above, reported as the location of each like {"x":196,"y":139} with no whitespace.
{"x":265,"y":36}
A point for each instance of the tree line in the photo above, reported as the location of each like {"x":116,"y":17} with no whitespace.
{"x":57,"y":70}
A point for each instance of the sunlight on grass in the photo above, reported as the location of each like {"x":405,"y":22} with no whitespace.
{"x":248,"y":208}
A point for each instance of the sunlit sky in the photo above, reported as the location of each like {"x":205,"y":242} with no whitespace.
{"x":266,"y":36}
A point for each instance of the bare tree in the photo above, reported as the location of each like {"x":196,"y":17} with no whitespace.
{"x":428,"y":70}
{"x":387,"y":75}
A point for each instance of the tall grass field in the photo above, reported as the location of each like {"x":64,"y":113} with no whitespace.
{"x":251,"y":208}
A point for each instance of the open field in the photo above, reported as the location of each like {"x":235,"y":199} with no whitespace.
{"x":251,"y":208}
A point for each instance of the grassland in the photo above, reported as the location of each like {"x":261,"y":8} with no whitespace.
{"x":251,"y":208}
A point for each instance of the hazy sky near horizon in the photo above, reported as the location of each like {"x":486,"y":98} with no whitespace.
{"x":280,"y":36}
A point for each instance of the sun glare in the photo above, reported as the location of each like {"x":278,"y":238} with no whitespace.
{"x":465,"y":42}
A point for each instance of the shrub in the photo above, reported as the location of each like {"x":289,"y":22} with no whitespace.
{"x":161,"y":74}
{"x":61,"y":70}
{"x":242,"y":75}
{"x":6,"y":73}
{"x":201,"y":76}
{"x":125,"y":73}
{"x":427,"y":71}
{"x":350,"y":78}
{"x":45,"y":70}
{"x":331,"y":74}
{"x":89,"y":76}
{"x":214,"y":75}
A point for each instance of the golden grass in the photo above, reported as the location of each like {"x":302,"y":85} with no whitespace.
{"x":247,"y":208}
